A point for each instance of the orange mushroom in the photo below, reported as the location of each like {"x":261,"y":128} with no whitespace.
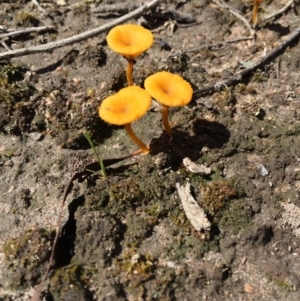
{"x":171,"y":90}
{"x":128,"y":105}
{"x":130,"y":41}
{"x":255,"y":11}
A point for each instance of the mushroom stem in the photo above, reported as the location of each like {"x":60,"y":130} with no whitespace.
{"x":129,"y":72}
{"x":136,"y":140}
{"x":165,"y":115}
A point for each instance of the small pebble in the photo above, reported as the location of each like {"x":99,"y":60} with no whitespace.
{"x":61,"y":2}
{"x":135,"y":258}
{"x":170,"y":264}
{"x":36,"y":136}
{"x":249,"y":288}
{"x":164,"y":45}
{"x":262,"y":170}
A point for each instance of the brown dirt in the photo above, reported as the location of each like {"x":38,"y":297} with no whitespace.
{"x":126,"y":237}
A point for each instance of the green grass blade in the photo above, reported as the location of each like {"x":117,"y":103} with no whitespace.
{"x":88,"y":138}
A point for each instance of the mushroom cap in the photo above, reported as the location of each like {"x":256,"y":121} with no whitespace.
{"x":130,"y":40}
{"x":169,"y":89}
{"x":126,"y":106}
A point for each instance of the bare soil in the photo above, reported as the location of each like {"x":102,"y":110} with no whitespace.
{"x":126,"y":237}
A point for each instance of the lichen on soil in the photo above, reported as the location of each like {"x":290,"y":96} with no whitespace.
{"x":126,"y":236}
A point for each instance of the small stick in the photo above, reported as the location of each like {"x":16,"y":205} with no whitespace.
{"x":26,"y":30}
{"x":5,"y":45}
{"x":80,"y":37}
{"x":216,"y":46}
{"x":188,"y":25}
{"x":115,"y":8}
{"x":279,"y":12}
{"x":239,"y":76}
{"x":278,"y":68}
{"x":40,"y":8}
{"x":236,"y":13}
{"x":179,"y":16}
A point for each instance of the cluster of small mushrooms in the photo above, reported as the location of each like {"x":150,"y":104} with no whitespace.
{"x":132,"y":102}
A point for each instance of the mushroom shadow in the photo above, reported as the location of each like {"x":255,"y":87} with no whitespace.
{"x":68,"y":59}
{"x":209,"y":134}
{"x":278,"y":28}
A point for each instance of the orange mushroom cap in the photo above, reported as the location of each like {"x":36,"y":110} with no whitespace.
{"x":126,"y":106}
{"x":169,"y":89}
{"x":130,"y":40}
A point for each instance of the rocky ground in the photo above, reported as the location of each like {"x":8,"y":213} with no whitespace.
{"x":126,"y":236}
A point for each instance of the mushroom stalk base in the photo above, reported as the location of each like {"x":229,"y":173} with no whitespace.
{"x":129,"y":71}
{"x":165,"y":116}
{"x":136,"y":140}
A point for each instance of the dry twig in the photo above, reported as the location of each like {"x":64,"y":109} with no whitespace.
{"x":178,"y":16}
{"x":219,"y":45}
{"x":40,"y":8}
{"x":236,"y":13}
{"x":80,"y":37}
{"x":26,"y":30}
{"x":115,"y":8}
{"x":279,"y":12}
{"x":5,"y":45}
{"x":188,"y":25}
{"x":239,"y":76}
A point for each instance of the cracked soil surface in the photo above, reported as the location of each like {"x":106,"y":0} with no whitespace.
{"x":126,"y":237}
